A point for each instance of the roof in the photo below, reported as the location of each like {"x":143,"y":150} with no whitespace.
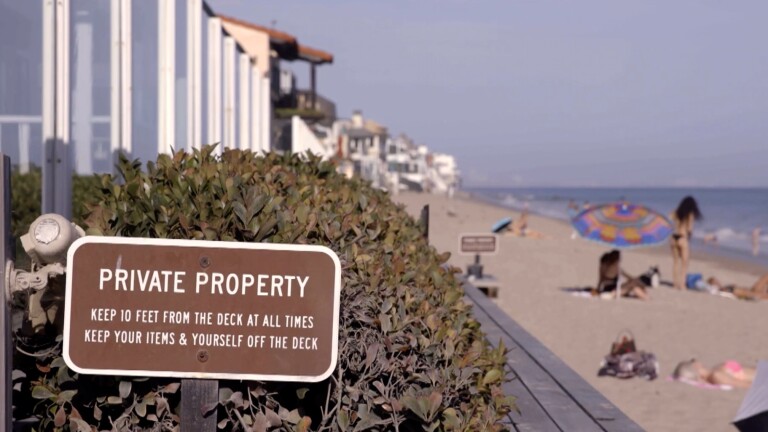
{"x":358,"y":133}
{"x":314,"y":55}
{"x":288,"y":46}
{"x":374,"y":127}
{"x":274,"y":35}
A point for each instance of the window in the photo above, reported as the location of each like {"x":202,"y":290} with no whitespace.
{"x":144,"y":75}
{"x":21,"y":72}
{"x":90,"y":84}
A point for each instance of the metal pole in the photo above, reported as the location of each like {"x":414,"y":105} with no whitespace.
{"x":313,"y":85}
{"x":425,"y":220}
{"x":6,"y":257}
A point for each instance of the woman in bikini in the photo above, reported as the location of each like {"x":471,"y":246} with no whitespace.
{"x":730,"y":373}
{"x":608,"y":277}
{"x":683,"y":218}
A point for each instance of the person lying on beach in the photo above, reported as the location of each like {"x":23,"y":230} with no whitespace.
{"x":730,"y":373}
{"x":608,"y":275}
{"x":519,"y":227}
{"x":758,"y":291}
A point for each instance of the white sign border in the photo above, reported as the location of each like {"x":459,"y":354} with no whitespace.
{"x":204,"y":244}
{"x":497,"y":244}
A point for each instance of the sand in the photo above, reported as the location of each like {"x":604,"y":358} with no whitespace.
{"x":674,"y":325}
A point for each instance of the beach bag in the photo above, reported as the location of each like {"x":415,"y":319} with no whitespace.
{"x":651,"y":278}
{"x":625,"y":343}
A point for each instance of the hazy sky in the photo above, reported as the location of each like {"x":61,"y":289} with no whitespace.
{"x":540,"y":92}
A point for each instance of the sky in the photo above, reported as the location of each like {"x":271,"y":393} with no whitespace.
{"x":550,"y":93}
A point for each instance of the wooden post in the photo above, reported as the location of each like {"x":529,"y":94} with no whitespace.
{"x":425,"y":220}
{"x":6,"y":256}
{"x":196,"y":394}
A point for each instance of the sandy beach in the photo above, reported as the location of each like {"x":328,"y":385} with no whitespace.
{"x":673,"y":325}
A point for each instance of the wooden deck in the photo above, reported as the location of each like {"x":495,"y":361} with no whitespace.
{"x":550,"y":395}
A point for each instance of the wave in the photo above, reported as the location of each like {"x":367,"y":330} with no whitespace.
{"x":729,"y":234}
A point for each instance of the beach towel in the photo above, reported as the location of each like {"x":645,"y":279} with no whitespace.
{"x":625,"y":361}
{"x":640,"y":364}
{"x":589,"y":293}
{"x":699,"y":384}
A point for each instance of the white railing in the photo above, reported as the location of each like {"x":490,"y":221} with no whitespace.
{"x":98,"y":147}
{"x":303,"y":140}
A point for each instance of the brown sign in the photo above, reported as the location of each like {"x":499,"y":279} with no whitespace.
{"x":201,"y":309}
{"x":478,"y":244}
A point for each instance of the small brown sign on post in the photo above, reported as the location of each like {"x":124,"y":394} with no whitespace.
{"x":201,"y":309}
{"x":473,"y":244}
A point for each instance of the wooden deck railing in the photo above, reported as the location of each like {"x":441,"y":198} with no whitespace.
{"x":550,"y":395}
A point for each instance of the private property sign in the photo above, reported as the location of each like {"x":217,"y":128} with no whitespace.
{"x":471,"y":244}
{"x":201,"y":309}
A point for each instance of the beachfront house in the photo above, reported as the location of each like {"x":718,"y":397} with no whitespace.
{"x":362,"y":143}
{"x":415,"y":168}
{"x":443,"y":173}
{"x":407,"y":163}
{"x":295,"y":112}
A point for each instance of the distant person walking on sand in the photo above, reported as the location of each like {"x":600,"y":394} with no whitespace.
{"x":756,"y":241}
{"x":572,"y":209}
{"x":683,"y":217}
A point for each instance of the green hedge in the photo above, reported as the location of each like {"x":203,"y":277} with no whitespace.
{"x":411,"y":356}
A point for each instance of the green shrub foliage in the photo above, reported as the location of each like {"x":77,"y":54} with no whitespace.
{"x":411,"y":357}
{"x":26,"y":196}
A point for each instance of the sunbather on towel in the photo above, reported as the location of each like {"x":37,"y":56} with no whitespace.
{"x":758,"y":291}
{"x":730,"y":373}
{"x":519,"y":227}
{"x":608,"y":276}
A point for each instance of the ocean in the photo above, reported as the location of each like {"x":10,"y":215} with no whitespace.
{"x":730,"y":214}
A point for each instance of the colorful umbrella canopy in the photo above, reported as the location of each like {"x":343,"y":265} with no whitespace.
{"x":622,"y":224}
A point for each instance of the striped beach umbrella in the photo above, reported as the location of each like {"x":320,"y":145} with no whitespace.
{"x":623,"y":225}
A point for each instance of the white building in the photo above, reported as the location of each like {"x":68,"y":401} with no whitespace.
{"x":362,"y":142}
{"x":443,"y":173}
